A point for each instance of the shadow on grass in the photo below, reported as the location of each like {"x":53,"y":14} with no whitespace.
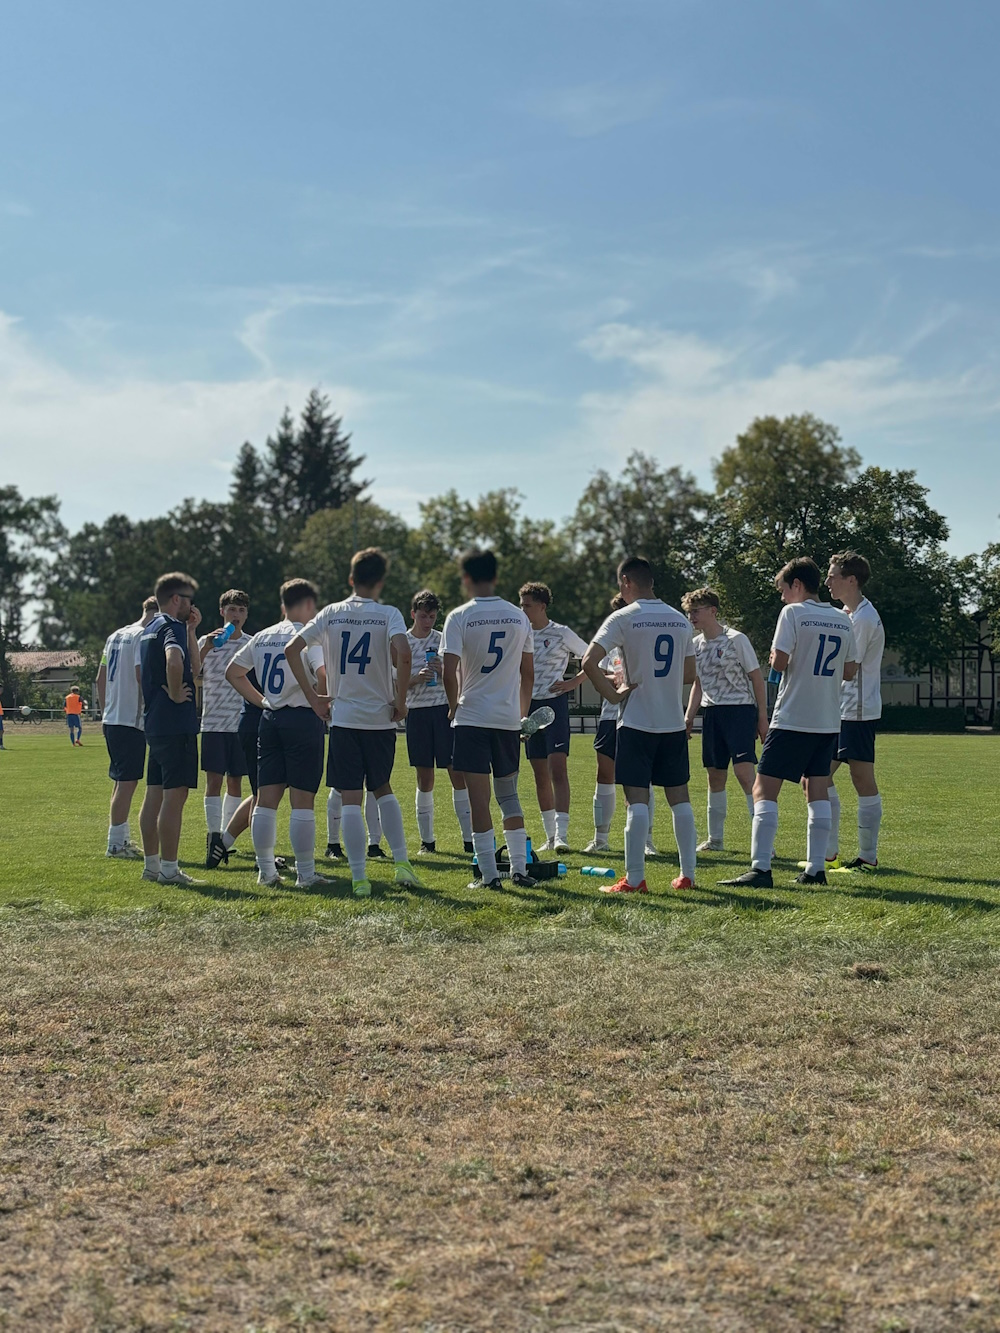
{"x":726,"y":898}
{"x":918,"y":897}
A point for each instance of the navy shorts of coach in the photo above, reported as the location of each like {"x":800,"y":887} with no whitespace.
{"x":222,"y":752}
{"x":290,"y":749}
{"x":606,"y":740}
{"x":857,"y":742}
{"x":360,"y":758}
{"x":553,"y":739}
{"x":485,"y":750}
{"x":729,"y":735}
{"x":652,"y":758}
{"x":126,"y":751}
{"x":173,"y":761}
{"x":428,"y":737}
{"x":794,"y":755}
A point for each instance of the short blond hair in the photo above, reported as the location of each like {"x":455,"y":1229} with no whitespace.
{"x":692,"y":601}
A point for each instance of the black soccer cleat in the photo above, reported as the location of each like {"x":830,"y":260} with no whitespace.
{"x":523,"y":881}
{"x":752,"y":879}
{"x":216,"y":851}
{"x":376,"y":851}
{"x":333,"y":852}
{"x":807,"y":879}
{"x":281,"y":862}
{"x":860,"y":864}
{"x":426,"y":847}
{"x":493,"y":883}
{"x":469,"y":847}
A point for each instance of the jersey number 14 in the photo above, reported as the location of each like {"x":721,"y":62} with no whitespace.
{"x":359,"y":655}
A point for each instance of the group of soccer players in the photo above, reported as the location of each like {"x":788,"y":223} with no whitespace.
{"x":334,"y":684}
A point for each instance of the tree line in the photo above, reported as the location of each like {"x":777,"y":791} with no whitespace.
{"x":299,"y":506}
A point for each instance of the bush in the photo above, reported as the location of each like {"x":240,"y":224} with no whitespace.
{"x":908,"y":717}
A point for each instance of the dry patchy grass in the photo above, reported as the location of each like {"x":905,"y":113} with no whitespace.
{"x":270,"y":1132}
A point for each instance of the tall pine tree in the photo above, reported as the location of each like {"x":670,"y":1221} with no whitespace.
{"x":308,"y":468}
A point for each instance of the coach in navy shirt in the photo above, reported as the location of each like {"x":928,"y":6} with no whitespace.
{"x":167,"y":648}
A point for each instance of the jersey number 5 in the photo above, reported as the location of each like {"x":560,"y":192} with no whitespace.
{"x":496,"y":650}
{"x":824,"y":667}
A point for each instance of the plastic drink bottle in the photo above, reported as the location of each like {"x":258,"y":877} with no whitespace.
{"x":429,"y":657}
{"x":602,"y":872}
{"x":774,"y":677}
{"x":223,"y":638}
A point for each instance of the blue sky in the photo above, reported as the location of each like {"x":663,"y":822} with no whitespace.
{"x":512,"y":241}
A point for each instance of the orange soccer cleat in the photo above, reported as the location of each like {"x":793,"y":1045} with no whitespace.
{"x":682,"y":882}
{"x":623,"y":886}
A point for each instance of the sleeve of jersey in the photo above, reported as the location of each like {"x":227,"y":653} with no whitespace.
{"x":528,"y":646}
{"x":784,"y":632}
{"x":608,"y":636}
{"x":397,"y":625}
{"x":313,"y":632}
{"x":244,"y":657}
{"x":746,"y":654}
{"x":174,"y":637}
{"x":314,"y":657}
{"x":852,"y":650}
{"x":575,"y":644}
{"x":451,"y":637}
{"x":861,"y":633}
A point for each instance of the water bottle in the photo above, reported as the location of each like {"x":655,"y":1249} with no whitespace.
{"x":223,"y":638}
{"x":774,"y":677}
{"x":562,"y":869}
{"x":602,"y":872}
{"x":429,"y":657}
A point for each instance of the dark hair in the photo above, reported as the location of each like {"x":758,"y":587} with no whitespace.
{"x":296,"y":591}
{"x":637,"y":569}
{"x":478,"y":565}
{"x":168,"y":584}
{"x":693,"y":601}
{"x":234,"y":597}
{"x":369,"y":567}
{"x":618,"y":602}
{"x":425,"y":600}
{"x":803,"y":569}
{"x":852,"y":565}
{"x":538,"y":592}
{"x":150,"y":604}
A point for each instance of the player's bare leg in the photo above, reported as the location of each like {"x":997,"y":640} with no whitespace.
{"x":149,"y":815}
{"x":463,"y":810}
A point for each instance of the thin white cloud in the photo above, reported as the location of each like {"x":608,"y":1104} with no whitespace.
{"x":15,"y":208}
{"x":589,"y":109}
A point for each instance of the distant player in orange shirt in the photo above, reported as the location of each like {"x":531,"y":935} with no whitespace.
{"x":75,"y":704}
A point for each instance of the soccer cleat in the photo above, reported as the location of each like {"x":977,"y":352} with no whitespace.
{"x":150,"y":876}
{"x":560,"y":845}
{"x":405,"y":874}
{"x":268,"y":881}
{"x":833,"y":865}
{"x":376,"y":850}
{"x":709,"y":846}
{"x":469,"y":847}
{"x":281,"y":863}
{"x":311,"y":882}
{"x":682,"y":882}
{"x":427,"y":849}
{"x":651,"y":850}
{"x":333,"y":852}
{"x":549,"y":845}
{"x":493,"y":884}
{"x":126,"y":852}
{"x":860,"y":864}
{"x":623,"y":886}
{"x":361,"y":888}
{"x":806,"y":879}
{"x":598,"y":845}
{"x":523,"y":881}
{"x":180,"y":880}
{"x":217,"y":852}
{"x":750,"y":879}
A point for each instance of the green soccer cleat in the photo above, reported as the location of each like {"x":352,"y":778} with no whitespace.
{"x":361,"y":888}
{"x":831,"y":867}
{"x":405,"y":874}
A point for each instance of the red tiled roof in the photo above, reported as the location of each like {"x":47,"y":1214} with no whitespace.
{"x":35,"y":662}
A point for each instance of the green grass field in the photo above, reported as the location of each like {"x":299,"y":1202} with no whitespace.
{"x":448,"y":1110}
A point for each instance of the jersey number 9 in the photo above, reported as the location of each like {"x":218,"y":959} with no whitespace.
{"x":663,"y":651}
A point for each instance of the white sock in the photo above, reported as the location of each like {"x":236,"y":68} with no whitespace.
{"x":636,"y":833}
{"x":549,"y":824}
{"x":168,"y":869}
{"x":562,"y":825}
{"x":486,"y":856}
{"x":392,"y":824}
{"x":425,"y":815}
{"x":605,"y":795}
{"x":833,"y":843}
{"x":230,"y":804}
{"x":302,"y":831}
{"x":869,"y":822}
{"x":517,"y":849}
{"x":334,"y":806}
{"x":749,"y":796}
{"x":228,"y":840}
{"x":763,"y":834}
{"x":152,"y":863}
{"x":717,"y":803}
{"x":352,"y":830}
{"x":686,"y":835}
{"x":373,"y":820}
{"x":263,"y":832}
{"x":463,"y":811}
{"x":118,"y":835}
{"x":213,"y":813}
{"x":817,"y":836}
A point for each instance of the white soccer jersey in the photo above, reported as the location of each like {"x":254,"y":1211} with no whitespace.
{"x":554,"y":646}
{"x":265,"y":654}
{"x":122,"y":693}
{"x":489,"y":636}
{"x":611,"y":664}
{"x":426,"y":695}
{"x":356,"y":639}
{"x":861,"y":698}
{"x":724,"y":666}
{"x":654,"y":640}
{"x":220,"y":704}
{"x":819,"y":641}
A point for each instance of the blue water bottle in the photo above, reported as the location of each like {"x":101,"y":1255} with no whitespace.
{"x":223,"y":638}
{"x":602,"y":872}
{"x":429,"y":657}
{"x":774,"y":677}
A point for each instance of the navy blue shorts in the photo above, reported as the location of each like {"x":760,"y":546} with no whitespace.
{"x":360,"y":758}
{"x":482,"y":749}
{"x":221,"y":752}
{"x":290,"y":749}
{"x":793,"y":755}
{"x":428,"y":737}
{"x":127,"y":752}
{"x":249,"y":740}
{"x":729,"y":735}
{"x":553,"y":739}
{"x":857,"y":741}
{"x":173,"y":761}
{"x":73,"y":722}
{"x":606,"y":740}
{"x":652,"y":758}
